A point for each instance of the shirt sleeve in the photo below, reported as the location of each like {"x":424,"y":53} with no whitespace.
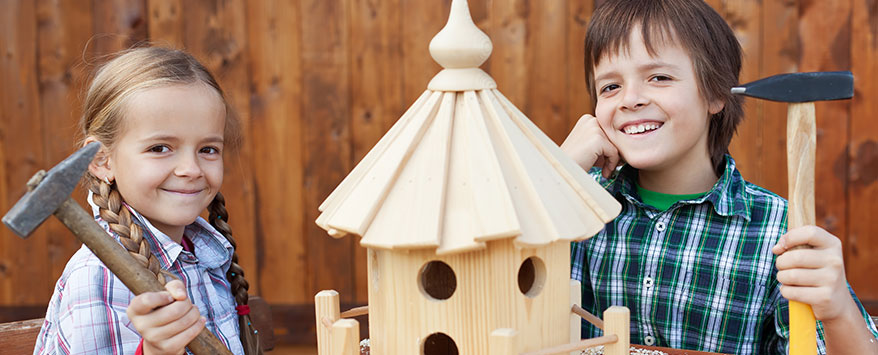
{"x":91,"y":314}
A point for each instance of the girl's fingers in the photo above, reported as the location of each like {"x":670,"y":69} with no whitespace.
{"x":148,"y":301}
{"x":185,"y":336}
{"x":178,"y":325}
{"x":177,"y":289}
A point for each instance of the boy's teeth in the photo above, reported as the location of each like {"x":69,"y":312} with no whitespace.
{"x":640,"y":128}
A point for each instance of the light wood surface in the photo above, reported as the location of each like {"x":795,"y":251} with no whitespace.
{"x":326,"y":310}
{"x":801,"y":152}
{"x":616,"y":322}
{"x":345,"y":337}
{"x":504,"y":341}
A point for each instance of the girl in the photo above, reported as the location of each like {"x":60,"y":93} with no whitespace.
{"x":164,"y":124}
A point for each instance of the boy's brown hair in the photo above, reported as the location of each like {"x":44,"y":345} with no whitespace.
{"x":695,"y":26}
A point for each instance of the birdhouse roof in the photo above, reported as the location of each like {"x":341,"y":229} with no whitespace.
{"x":463,"y":166}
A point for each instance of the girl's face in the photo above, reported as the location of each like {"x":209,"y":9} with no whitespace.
{"x":168,"y":162}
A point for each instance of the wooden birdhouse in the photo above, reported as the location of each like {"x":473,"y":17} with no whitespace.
{"x":467,"y":210}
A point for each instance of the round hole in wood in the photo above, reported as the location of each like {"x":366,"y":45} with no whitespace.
{"x":437,"y":280}
{"x":531,"y":276}
{"x":439,"y":344}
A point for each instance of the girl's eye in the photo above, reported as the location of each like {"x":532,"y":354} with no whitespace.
{"x":608,"y":88}
{"x":660,"y":78}
{"x":158,"y":149}
{"x":210,"y":150}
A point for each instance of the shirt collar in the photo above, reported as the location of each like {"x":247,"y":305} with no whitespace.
{"x":213,"y":249}
{"x":727,"y":196}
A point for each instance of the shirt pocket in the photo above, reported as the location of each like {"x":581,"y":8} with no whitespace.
{"x":735,"y":297}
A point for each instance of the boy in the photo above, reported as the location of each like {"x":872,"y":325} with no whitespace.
{"x":692,"y":254}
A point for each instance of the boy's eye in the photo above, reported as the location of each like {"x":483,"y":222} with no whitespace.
{"x":609,"y":87}
{"x":158,"y":149}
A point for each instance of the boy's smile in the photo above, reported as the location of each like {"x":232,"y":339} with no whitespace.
{"x":650,"y":107}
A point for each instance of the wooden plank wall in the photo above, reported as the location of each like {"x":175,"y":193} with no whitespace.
{"x":317,"y":82}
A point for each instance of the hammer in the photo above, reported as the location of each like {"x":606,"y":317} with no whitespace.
{"x":801,"y":90}
{"x":50,"y":194}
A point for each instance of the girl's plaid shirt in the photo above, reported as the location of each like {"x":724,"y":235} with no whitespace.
{"x":699,"y":275}
{"x":86,"y":314}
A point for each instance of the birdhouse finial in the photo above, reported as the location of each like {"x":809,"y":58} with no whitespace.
{"x":461,"y":47}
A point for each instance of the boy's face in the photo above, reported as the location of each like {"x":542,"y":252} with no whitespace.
{"x":650,"y":107}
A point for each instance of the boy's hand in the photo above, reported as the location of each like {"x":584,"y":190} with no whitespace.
{"x":813,"y":275}
{"x":166,"y":320}
{"x":589,"y":147}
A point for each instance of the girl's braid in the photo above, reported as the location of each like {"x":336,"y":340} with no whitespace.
{"x":219,"y":218}
{"x":109,"y":201}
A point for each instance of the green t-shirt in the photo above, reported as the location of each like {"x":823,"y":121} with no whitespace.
{"x":663,"y":201}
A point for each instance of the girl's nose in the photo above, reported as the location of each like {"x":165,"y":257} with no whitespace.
{"x":188,"y":166}
{"x":633,"y":98}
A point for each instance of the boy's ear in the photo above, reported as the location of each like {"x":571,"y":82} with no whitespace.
{"x":100,"y":165}
{"x":715,"y":106}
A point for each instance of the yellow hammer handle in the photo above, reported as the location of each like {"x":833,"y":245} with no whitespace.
{"x":801,"y":151}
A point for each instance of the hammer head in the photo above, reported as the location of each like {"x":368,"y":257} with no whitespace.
{"x":55,"y":188}
{"x":801,"y":87}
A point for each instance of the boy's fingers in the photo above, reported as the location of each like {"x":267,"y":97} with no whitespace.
{"x":812,"y":236}
{"x":802,"y":259}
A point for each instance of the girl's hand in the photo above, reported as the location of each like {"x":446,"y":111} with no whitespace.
{"x":166,"y":320}
{"x":814,"y":275}
{"x":589,"y":146}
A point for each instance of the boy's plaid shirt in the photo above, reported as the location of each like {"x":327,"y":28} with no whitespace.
{"x":698,"y":276}
{"x":86,"y":314}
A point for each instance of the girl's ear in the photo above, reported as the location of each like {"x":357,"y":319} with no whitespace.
{"x":100,"y":165}
{"x":715,"y":106}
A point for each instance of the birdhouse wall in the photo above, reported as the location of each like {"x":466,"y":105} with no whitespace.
{"x":487,"y":295}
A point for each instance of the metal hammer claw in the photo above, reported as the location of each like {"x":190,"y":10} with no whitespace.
{"x":51,"y":195}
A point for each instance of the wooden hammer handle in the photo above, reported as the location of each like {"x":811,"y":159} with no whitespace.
{"x":801,"y":155}
{"x":137,"y":278}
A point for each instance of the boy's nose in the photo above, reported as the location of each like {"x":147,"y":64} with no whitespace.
{"x":633,"y":98}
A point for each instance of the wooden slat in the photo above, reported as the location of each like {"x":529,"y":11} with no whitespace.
{"x":327,"y":153}
{"x":546,"y":60}
{"x":118,"y":25}
{"x":421,"y":20}
{"x":824,"y":28}
{"x":578,"y":98}
{"x":744,"y":17}
{"x":507,"y":63}
{"x":220,"y":44}
{"x":19,"y":337}
{"x":21,"y":261}
{"x":65,"y":28}
{"x":376,"y":92}
{"x":166,"y":26}
{"x":861,"y":248}
{"x":779,"y":54}
{"x":274,"y":38}
{"x":276,"y":138}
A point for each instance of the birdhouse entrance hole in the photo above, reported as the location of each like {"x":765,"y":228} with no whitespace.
{"x":439,"y":344}
{"x":437,"y":281}
{"x":531,"y":276}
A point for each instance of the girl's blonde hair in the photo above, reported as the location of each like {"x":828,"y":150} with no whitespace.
{"x":113,"y":85}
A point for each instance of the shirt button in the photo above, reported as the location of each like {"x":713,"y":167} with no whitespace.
{"x":648,"y":340}
{"x":660,"y":226}
{"x":647,"y":282}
